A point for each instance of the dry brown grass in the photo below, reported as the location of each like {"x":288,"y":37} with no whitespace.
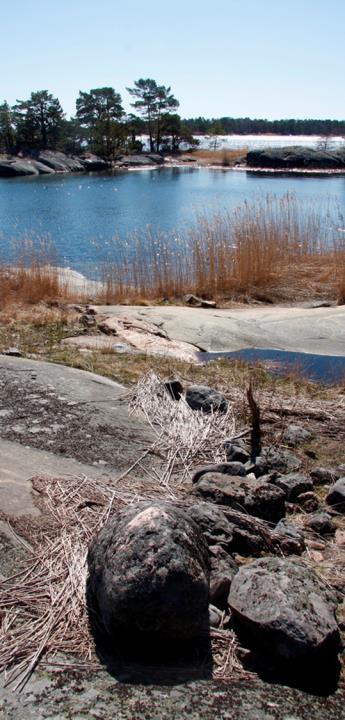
{"x":222,"y":157}
{"x":272,"y":249}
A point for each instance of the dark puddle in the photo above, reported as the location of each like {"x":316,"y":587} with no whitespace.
{"x":318,"y":368}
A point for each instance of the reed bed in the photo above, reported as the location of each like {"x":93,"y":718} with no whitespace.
{"x":269,"y":244}
{"x":273,"y":247}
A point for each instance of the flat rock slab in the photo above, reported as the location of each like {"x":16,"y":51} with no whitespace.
{"x":138,"y":334}
{"x":314,"y":330}
{"x":57,"y":420}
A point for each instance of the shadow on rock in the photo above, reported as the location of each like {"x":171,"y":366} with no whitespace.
{"x":310,"y":676}
{"x":147,"y":595}
{"x":151,"y":659}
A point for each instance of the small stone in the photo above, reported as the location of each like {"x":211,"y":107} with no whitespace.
{"x":229,"y":468}
{"x":13,"y":352}
{"x":174,"y":388}
{"x":321,"y":523}
{"x":88,"y":320}
{"x":340,"y":537}
{"x":214,"y":525}
{"x":323,"y":476}
{"x":296,"y":435}
{"x":336,"y":496}
{"x":5,"y":412}
{"x":236,"y":453}
{"x":293,"y":484}
{"x":309,"y":502}
{"x":215,"y":616}
{"x":201,"y":397}
{"x":294,"y":536}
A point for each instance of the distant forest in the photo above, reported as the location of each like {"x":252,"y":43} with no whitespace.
{"x":246,"y":126}
{"x":102,"y":126}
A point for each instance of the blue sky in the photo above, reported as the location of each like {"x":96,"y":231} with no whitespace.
{"x":256,"y":58}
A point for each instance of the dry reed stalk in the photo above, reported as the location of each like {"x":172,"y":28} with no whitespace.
{"x":184,"y":437}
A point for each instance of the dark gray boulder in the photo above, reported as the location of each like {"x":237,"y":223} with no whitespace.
{"x":149,"y":574}
{"x":336,"y":496}
{"x":201,"y":397}
{"x":236,"y":452}
{"x":296,"y":157}
{"x":246,"y":494}
{"x":212,"y":522}
{"x":293,"y":485}
{"x":296,"y":435}
{"x":285,"y":610}
{"x":277,"y":459}
{"x":309,"y":501}
{"x":234,"y":534}
{"x":229,"y":468}
{"x":321,"y":523}
{"x":223,"y":570}
{"x":323,"y":476}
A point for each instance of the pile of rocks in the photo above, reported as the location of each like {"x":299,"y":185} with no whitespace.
{"x":228,"y":557}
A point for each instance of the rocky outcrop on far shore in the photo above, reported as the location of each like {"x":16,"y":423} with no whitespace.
{"x":48,"y":162}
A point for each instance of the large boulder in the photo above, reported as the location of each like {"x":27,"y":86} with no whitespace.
{"x":246,"y":494}
{"x":149,"y":574}
{"x":295,"y":157}
{"x":336,"y":496}
{"x":285,"y":610}
{"x":201,"y":397}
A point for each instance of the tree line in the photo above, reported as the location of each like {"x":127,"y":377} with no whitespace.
{"x":247,"y":126}
{"x":100,"y":124}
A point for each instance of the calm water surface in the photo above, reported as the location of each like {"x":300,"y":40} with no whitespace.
{"x":82,"y":213}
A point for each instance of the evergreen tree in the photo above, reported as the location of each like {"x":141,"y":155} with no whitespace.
{"x":99,"y":111}
{"x":7,"y":137}
{"x":153,"y":102}
{"x":39,"y":121}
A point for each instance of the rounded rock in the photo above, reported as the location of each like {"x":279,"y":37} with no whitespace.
{"x":149,"y":574}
